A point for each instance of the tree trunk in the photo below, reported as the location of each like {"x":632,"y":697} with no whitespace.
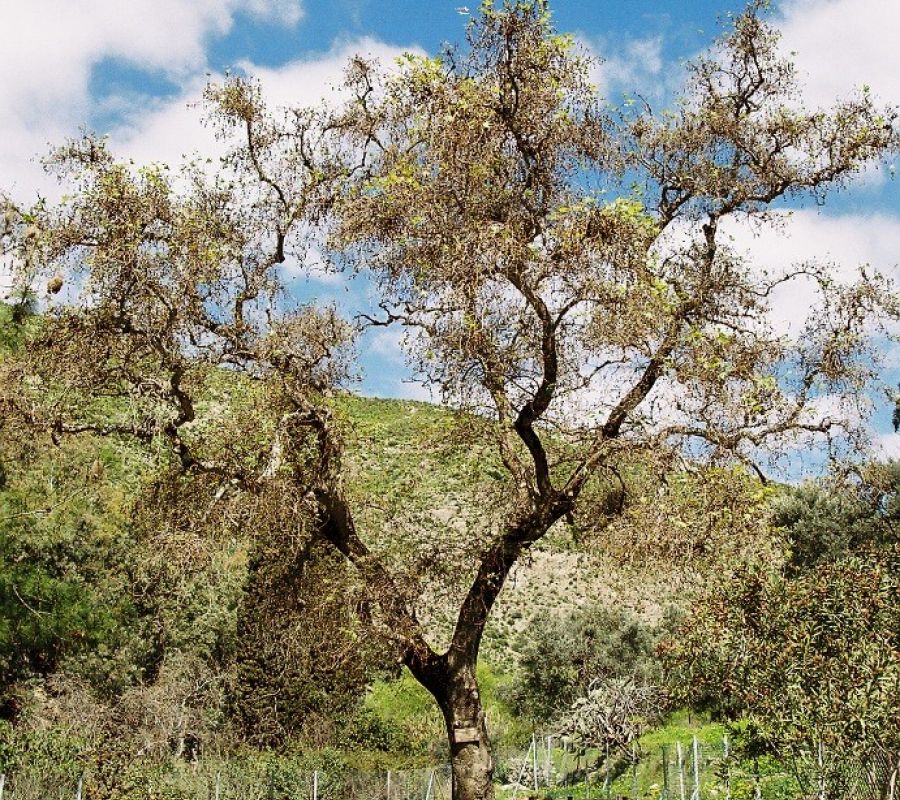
{"x":472,"y":763}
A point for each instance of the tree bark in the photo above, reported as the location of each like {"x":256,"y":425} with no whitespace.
{"x":450,"y":678}
{"x":471,"y":760}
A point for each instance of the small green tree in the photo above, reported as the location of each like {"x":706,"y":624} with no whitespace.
{"x":289,"y":678}
{"x":563,"y":656}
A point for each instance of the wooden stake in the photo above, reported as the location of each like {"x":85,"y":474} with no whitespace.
{"x":821,"y":760}
{"x":665,"y":771}
{"x":606,"y":786}
{"x":696,"y":794}
{"x":548,"y":761}
{"x":634,"y":782}
{"x":727,"y":767}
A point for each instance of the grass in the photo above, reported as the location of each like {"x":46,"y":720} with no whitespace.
{"x":648,"y":779}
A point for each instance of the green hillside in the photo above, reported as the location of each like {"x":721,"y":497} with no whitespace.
{"x":102,"y":607}
{"x":157,"y":633}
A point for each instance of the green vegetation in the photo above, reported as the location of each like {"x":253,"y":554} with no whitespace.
{"x":563,"y":655}
{"x":211,"y":553}
{"x":806,"y":650}
{"x":208,"y":647}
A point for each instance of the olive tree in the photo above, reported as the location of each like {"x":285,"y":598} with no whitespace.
{"x":560,"y":270}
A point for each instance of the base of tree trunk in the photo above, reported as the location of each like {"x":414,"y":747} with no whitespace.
{"x":472,"y":767}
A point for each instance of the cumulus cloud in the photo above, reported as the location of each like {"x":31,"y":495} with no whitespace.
{"x":635,"y":66}
{"x":386,"y":375}
{"x":840,"y":45}
{"x":47,"y":65}
{"x":846,"y":242}
{"x":388,"y":343}
{"x":887,"y":446}
{"x":50,"y":48}
{"x":170,"y":129}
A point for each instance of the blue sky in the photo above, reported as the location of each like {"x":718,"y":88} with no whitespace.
{"x":131,"y":68}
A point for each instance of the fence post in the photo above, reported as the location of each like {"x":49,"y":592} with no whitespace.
{"x":79,"y":787}
{"x":634,"y":781}
{"x":534,"y":758}
{"x":727,"y":767}
{"x":606,"y":785}
{"x":315,"y":784}
{"x":218,"y":788}
{"x":820,"y":757}
{"x":428,"y":790}
{"x":387,"y":793}
{"x":2,"y":784}
{"x":757,"y":787}
{"x":665,"y":772}
{"x":549,"y":761}
{"x":680,"y":761}
{"x":696,"y":793}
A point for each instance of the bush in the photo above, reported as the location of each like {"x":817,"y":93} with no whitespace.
{"x":562,"y":656}
{"x":807,"y":650}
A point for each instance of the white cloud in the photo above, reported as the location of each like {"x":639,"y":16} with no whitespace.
{"x":413,"y":390}
{"x":887,"y":446}
{"x":841,"y":45}
{"x":388,"y":343}
{"x":786,"y":239}
{"x":385,"y":362}
{"x":168,"y":130}
{"x":286,"y":12}
{"x":634,"y":66}
{"x":307,"y":81}
{"x":845,"y":241}
{"x":50,"y":47}
{"x":309,"y":265}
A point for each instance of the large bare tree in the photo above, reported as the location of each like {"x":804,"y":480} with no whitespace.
{"x":560,"y":269}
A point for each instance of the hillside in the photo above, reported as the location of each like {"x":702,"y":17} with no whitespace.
{"x":157,"y":631}
{"x":98,"y":590}
{"x":420,"y":453}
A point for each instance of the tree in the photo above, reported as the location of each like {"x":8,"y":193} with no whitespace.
{"x":289,"y":676}
{"x":805,"y":648}
{"x":560,"y":270}
{"x":564,"y":657}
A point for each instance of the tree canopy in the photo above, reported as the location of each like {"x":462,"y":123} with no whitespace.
{"x":560,"y":269}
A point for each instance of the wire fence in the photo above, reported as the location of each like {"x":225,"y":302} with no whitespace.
{"x":236,"y":783}
{"x":695,"y":770}
{"x":689,"y":770}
